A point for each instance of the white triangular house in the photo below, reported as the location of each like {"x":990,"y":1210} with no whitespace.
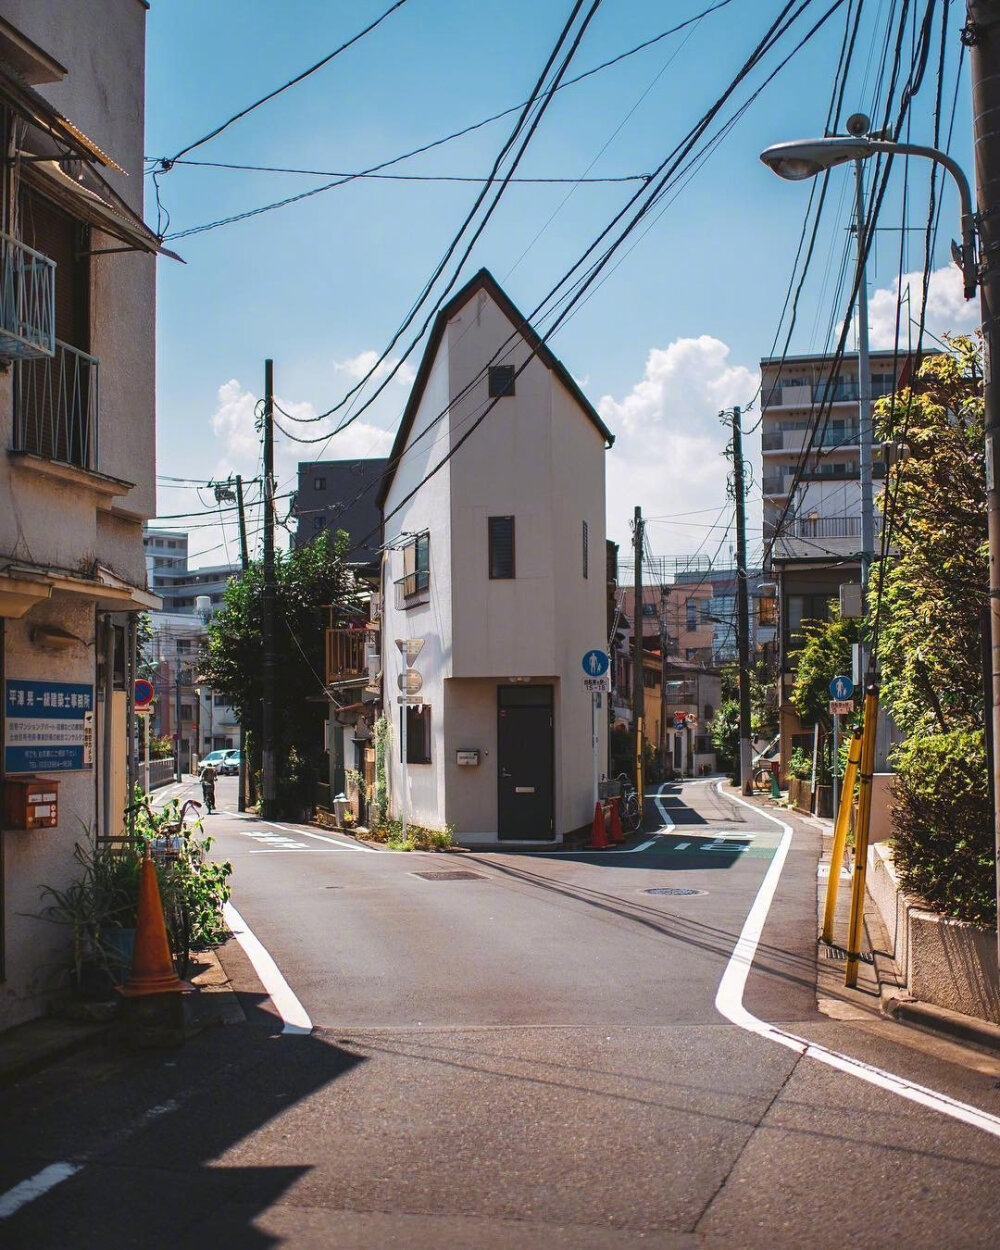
{"x":496,"y":561}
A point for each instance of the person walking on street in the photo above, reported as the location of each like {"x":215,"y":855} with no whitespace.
{"x":208,"y":787}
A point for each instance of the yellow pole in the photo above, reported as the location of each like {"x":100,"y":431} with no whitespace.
{"x":867,"y":767}
{"x":840,"y":832}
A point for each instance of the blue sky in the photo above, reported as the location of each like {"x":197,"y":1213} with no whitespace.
{"x":670,"y":336}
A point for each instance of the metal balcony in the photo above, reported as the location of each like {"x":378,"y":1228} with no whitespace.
{"x":56,"y":406}
{"x":27,"y":301}
{"x":413,"y":589}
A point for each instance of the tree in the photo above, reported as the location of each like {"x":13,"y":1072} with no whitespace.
{"x":825,"y":654}
{"x":308,"y":581}
{"x":928,"y":605}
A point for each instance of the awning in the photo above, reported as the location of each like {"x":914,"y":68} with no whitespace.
{"x":21,"y":587}
{"x":35,"y":109}
{"x":101,"y":207}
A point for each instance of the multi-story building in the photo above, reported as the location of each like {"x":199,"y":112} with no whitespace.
{"x":195,"y":717}
{"x":77,"y":480}
{"x":812,"y":498}
{"x":494,"y":583}
{"x":340,"y":495}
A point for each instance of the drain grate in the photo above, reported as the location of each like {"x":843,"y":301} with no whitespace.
{"x":839,"y":953}
{"x":673,"y":892}
{"x":448,"y":876}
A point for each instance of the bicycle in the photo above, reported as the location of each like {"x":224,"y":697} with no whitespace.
{"x":629,"y":807}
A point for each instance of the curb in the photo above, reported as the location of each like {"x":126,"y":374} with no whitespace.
{"x":941,"y":1021}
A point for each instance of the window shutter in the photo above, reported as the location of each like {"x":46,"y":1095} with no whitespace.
{"x":501,"y":547}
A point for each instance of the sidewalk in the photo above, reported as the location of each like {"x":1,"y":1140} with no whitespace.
{"x":30,"y":1047}
{"x":881,"y":987}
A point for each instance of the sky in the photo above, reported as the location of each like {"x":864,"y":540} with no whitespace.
{"x":669,"y":335}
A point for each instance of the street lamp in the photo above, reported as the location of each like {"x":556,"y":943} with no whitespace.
{"x":805,"y":158}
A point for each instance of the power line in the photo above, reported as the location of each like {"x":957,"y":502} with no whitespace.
{"x":167,"y":163}
{"x":363,"y":175}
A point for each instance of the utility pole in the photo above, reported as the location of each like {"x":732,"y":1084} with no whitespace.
{"x":638,"y":686}
{"x":241,"y":798}
{"x":267,"y":605}
{"x":177,"y":705}
{"x":864,"y":416}
{"x":982,"y":36}
{"x":742,"y":608}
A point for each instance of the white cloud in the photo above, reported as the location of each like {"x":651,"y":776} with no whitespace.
{"x":357,"y":367}
{"x":947,"y":308}
{"x":213,"y":531}
{"x":667,"y":456}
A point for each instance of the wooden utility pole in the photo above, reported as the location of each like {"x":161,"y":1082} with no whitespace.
{"x":982,"y":36}
{"x":638,"y":684}
{"x":742,"y":609}
{"x":267,"y":605}
{"x":241,"y":798}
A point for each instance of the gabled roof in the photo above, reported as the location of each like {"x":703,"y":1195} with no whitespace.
{"x":483,"y":281}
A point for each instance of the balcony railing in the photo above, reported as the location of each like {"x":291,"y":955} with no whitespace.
{"x":56,"y":406}
{"x":413,"y":589}
{"x":27,"y":301}
{"x":346,"y":654}
{"x":795,"y":440}
{"x":776,"y":484}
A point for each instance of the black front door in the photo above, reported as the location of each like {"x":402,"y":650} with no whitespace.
{"x":524,"y":763}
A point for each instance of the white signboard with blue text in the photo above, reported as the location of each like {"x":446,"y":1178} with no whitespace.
{"x":48,"y":726}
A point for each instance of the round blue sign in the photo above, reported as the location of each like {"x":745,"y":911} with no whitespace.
{"x":595,"y":663}
{"x":142,"y":692}
{"x":841,"y":688}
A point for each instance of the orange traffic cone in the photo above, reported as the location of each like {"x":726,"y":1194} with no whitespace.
{"x":615,"y":832}
{"x":598,"y":837}
{"x":152,"y":970}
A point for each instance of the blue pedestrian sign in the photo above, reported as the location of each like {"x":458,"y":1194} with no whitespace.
{"x":595,"y":663}
{"x":841,"y":688}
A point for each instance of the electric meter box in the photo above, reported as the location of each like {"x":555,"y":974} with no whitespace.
{"x":30,"y":803}
{"x":467,"y":757}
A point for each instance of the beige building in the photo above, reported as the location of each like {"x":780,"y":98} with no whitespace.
{"x":77,"y":315}
{"x":495,"y":564}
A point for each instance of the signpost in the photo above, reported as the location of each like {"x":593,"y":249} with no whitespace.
{"x":841,"y":704}
{"x":411,"y":683}
{"x":142,"y":703}
{"x":596,"y":680}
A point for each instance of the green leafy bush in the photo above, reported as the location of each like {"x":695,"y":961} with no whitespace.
{"x":800,"y":765}
{"x":943,"y":847}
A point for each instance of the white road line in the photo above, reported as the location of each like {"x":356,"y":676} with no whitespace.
{"x":322,"y":837}
{"x":729,"y":1003}
{"x":35,"y":1186}
{"x":297,"y":850}
{"x":287,"y":1005}
{"x":682,"y":846}
{"x":668,"y":823}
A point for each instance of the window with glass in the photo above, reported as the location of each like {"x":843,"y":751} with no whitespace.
{"x":415,"y":723}
{"x":416,"y":565}
{"x":501,"y":381}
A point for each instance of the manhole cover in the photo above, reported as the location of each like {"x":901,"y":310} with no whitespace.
{"x":448,"y":876}
{"x":673,"y":892}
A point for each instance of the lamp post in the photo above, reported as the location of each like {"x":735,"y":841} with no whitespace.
{"x":808,"y":157}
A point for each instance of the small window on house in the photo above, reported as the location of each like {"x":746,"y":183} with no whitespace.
{"x":416,"y":566}
{"x":501,"y":380}
{"x":501,"y":546}
{"x":318,"y":522}
{"x":586,"y":549}
{"x":415,"y":722}
{"x":319,"y":483}
{"x":691,"y":614}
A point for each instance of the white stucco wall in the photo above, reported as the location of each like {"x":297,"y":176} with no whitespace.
{"x":538,"y":458}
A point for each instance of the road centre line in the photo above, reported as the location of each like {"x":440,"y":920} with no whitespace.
{"x":729,"y":1003}
{"x":287,"y":1005}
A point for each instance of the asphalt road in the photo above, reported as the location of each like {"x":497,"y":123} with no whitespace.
{"x":523,"y":1050}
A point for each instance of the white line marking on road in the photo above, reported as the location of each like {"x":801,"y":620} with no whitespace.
{"x":668,"y":823}
{"x":35,"y":1186}
{"x":729,"y":1003}
{"x":682,"y":846}
{"x":322,"y":837}
{"x":288,"y":1006}
{"x":297,"y":850}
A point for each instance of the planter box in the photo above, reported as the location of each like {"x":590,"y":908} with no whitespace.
{"x":945,"y":962}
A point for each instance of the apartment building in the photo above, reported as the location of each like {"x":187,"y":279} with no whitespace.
{"x":77,"y":355}
{"x":340,"y":495}
{"x":812,"y":492}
